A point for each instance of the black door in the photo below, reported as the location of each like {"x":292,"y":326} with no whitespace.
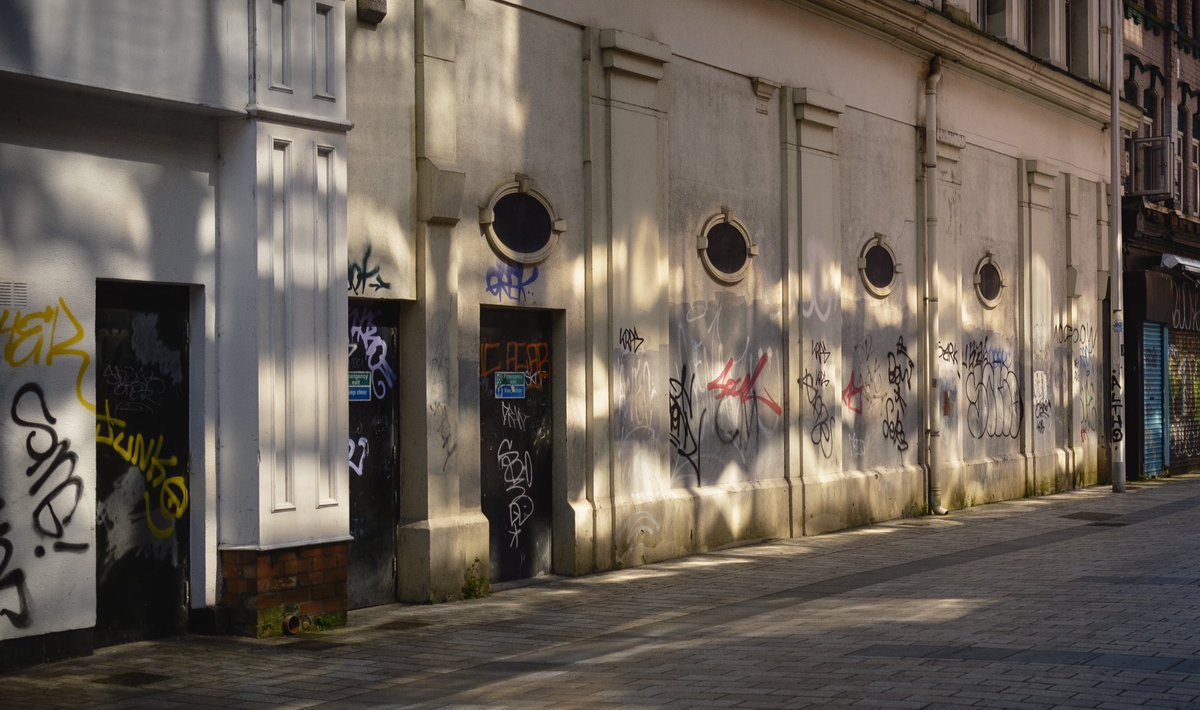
{"x":515,"y":452}
{"x":374,"y":362}
{"x":142,"y":497}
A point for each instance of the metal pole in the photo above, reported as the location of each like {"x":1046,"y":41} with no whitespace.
{"x":1116,"y":267}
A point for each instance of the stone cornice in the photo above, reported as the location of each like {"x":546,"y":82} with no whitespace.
{"x":924,"y":32}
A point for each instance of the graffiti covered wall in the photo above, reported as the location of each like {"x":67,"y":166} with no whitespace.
{"x":97,"y":202}
{"x":726,"y":420}
{"x":992,"y":404}
{"x":47,"y":563}
{"x":702,"y":407}
{"x":726,"y":384}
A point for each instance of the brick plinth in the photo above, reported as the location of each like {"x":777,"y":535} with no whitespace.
{"x":261,"y":588}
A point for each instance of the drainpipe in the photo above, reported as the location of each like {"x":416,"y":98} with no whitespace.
{"x":934,"y":446}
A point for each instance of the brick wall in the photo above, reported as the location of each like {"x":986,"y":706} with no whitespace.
{"x":259,"y":589}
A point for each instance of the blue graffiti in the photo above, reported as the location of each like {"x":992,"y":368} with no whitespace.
{"x":510,"y":281}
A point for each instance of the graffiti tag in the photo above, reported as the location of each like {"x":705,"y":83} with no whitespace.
{"x":743,"y":387}
{"x":683,"y":437}
{"x":357,"y":277}
{"x":43,"y":336}
{"x":510,"y":281}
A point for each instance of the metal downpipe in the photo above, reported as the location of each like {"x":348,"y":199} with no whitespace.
{"x":932,"y":274}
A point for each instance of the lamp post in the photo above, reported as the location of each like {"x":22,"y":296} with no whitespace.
{"x":1116,"y":354}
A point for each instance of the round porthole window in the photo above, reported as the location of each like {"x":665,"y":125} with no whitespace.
{"x":877,"y":266}
{"x":989,"y":282}
{"x":519,"y":223}
{"x":725,"y":248}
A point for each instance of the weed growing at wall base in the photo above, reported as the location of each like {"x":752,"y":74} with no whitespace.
{"x":475,"y":582}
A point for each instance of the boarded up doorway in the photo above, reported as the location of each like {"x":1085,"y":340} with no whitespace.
{"x":142,"y":481}
{"x":374,"y":362}
{"x":515,"y":419}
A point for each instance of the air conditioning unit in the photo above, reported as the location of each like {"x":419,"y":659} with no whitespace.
{"x":1152,"y":166}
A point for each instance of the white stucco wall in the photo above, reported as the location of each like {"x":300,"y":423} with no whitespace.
{"x":380,"y":190}
{"x":176,"y":50}
{"x":83,"y":198}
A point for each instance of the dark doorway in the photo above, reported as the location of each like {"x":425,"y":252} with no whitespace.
{"x":143,"y":506}
{"x":374,"y":362}
{"x":515,"y":452}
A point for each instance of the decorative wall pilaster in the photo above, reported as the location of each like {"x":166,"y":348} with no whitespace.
{"x":1037,"y":309}
{"x":815,"y":348}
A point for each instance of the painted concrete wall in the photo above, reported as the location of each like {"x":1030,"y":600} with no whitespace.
{"x":873,"y":396}
{"x":380,"y":190}
{"x":179,"y":51}
{"x":720,"y":333}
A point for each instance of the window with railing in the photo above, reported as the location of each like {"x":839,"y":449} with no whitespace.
{"x":1177,"y":182}
{"x":1194,"y":171}
{"x":1151,"y":172}
{"x":1150,"y":166}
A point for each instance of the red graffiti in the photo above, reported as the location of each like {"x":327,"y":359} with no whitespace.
{"x":851,"y":393}
{"x":1083,"y":435}
{"x":743,"y":387}
{"x":532,"y":358}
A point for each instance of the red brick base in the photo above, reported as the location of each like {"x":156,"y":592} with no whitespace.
{"x":262,"y":588}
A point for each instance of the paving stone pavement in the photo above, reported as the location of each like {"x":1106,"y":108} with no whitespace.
{"x":1085,"y":599}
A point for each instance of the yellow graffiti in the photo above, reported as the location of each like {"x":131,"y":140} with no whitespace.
{"x":172,"y":500}
{"x":146,"y":454}
{"x":35,"y":336}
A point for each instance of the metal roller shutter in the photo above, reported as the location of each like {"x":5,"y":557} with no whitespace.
{"x":1184,"y":377}
{"x":1153,"y":336}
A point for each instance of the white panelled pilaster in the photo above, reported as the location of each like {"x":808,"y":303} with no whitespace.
{"x":281,"y":306}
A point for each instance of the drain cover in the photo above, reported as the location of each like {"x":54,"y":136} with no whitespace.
{"x":402,"y":625}
{"x":1090,"y":515}
{"x":312,"y":645}
{"x":132,"y":679}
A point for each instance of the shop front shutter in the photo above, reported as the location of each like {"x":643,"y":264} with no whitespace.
{"x":1183,"y":374}
{"x":1153,"y":336}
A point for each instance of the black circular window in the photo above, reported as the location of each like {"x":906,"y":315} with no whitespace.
{"x":989,"y":282}
{"x":522,"y":223}
{"x":727,"y":250}
{"x":881,"y":268}
{"x":877,"y":265}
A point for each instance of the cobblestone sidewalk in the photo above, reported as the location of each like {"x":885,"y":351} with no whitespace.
{"x":1081,"y":599}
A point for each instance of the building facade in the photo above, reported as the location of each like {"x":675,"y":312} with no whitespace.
{"x":1161,"y":220}
{"x":172,"y":240}
{"x":768,"y":270}
{"x":616,"y":282}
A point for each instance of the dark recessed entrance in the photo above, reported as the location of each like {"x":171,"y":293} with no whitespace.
{"x":143,"y":501}
{"x":515,"y":452}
